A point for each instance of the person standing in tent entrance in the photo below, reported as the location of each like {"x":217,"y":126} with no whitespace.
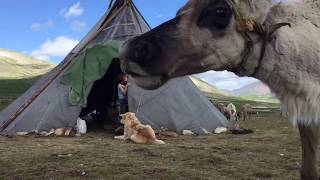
{"x":122,"y":100}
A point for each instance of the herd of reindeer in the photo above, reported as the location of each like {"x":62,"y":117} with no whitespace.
{"x":231,"y":113}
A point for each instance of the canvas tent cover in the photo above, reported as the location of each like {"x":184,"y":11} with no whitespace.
{"x":88,"y":67}
{"x":177,"y":105}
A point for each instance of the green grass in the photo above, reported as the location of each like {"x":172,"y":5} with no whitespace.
{"x":272,"y":152}
{"x":268,"y":99}
{"x":267,"y":102}
{"x":17,"y":73}
{"x":10,"y":89}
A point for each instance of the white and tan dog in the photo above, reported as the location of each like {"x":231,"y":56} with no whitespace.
{"x":137,"y":132}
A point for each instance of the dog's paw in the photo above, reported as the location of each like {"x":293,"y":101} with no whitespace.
{"x":159,"y":142}
{"x":119,"y":137}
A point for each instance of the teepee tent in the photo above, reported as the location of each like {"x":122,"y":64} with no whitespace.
{"x":177,"y":105}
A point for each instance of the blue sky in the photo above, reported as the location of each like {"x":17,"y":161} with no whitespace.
{"x":49,"y":29}
{"x":28,"y":24}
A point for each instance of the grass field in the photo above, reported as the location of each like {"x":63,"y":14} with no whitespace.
{"x":272,"y":152}
{"x":10,"y":89}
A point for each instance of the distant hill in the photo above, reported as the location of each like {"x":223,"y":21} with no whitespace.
{"x":14,"y":65}
{"x":254,"y":89}
{"x":17,"y":73}
{"x":206,"y":87}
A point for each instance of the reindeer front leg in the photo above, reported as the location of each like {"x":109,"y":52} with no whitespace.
{"x":309,"y":143}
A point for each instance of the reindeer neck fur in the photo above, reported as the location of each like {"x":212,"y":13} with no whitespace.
{"x":291,"y":66}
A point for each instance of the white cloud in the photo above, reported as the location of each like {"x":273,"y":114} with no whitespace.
{"x":74,"y":11}
{"x":159,"y":16}
{"x":41,"y":57}
{"x":58,"y":47}
{"x":225,"y":80}
{"x":5,"y":55}
{"x":78,"y":26}
{"x":36,"y":26}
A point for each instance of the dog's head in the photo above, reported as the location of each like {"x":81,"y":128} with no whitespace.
{"x":128,"y":118}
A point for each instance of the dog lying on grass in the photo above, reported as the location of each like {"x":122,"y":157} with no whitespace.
{"x":137,"y":132}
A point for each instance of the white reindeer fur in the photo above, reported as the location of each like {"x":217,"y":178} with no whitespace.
{"x":291,"y":66}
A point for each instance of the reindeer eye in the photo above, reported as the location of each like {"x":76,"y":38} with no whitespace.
{"x":215,"y":17}
{"x":221,"y":12}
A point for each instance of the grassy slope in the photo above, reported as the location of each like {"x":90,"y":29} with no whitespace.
{"x":220,"y":96}
{"x":253,"y":89}
{"x":15,"y":65}
{"x":17,"y":73}
{"x":207,"y":88}
{"x":10,"y":89}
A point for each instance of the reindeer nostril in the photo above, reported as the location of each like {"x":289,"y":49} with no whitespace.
{"x":143,"y":51}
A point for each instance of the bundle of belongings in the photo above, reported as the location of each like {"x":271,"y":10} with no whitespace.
{"x":52,"y":132}
{"x":165,"y":132}
{"x":241,"y":131}
{"x":81,"y":128}
{"x":236,"y":129}
{"x":233,"y":129}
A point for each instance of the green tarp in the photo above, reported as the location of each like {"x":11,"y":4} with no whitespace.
{"x":88,"y":67}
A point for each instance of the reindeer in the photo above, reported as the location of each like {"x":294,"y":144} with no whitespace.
{"x":232,"y":110}
{"x":250,"y":38}
{"x":221,"y":107}
{"x":246,"y":111}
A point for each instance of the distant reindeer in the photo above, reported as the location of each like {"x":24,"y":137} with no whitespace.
{"x":246,"y":111}
{"x":221,"y":107}
{"x":232,"y":110}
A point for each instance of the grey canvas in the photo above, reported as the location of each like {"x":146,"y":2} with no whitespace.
{"x":179,"y":105}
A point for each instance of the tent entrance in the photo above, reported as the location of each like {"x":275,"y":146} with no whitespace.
{"x":101,"y":107}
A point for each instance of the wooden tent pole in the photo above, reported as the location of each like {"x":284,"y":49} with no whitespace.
{"x":110,"y":4}
{"x":111,"y":17}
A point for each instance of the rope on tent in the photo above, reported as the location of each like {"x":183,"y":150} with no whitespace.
{"x":139,"y":104}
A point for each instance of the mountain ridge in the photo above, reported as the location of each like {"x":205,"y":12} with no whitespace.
{"x":206,"y":87}
{"x":253,"y":89}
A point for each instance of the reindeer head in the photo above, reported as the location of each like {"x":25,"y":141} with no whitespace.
{"x":204,"y":36}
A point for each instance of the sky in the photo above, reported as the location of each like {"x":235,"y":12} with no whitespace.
{"x":49,"y":29}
